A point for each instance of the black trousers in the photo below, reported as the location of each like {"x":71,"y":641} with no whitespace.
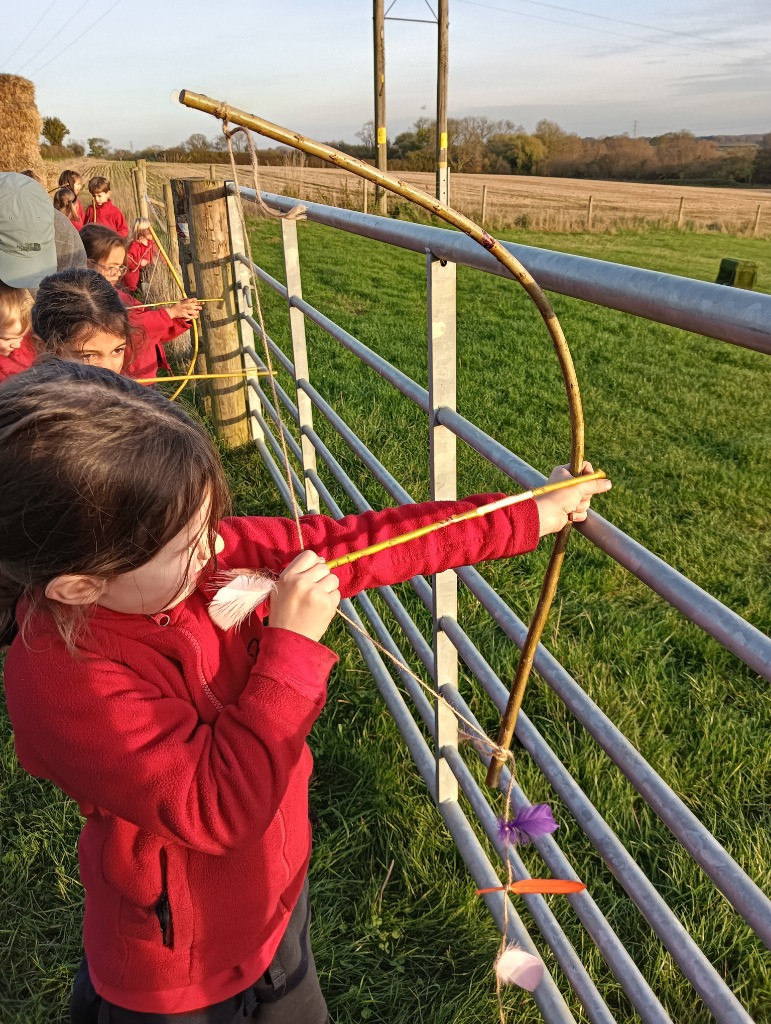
{"x":288,"y":992}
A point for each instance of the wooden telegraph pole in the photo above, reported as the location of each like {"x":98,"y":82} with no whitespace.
{"x":442,"y":170}
{"x":378,"y":19}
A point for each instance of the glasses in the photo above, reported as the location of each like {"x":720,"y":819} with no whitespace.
{"x":107,"y":270}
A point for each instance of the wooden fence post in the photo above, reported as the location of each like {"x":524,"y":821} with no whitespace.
{"x":141,"y":182}
{"x":589,"y":213}
{"x":135,"y":189}
{"x":207,"y":217}
{"x":171,"y":225}
{"x":484,"y":205}
{"x":756,"y":225}
{"x":364,"y":184}
{"x":680,"y":212}
{"x":442,"y":373}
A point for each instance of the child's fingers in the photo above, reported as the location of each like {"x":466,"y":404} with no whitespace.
{"x":301,"y":563}
{"x":330,"y":583}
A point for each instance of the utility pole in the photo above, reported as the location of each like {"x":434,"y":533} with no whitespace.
{"x":381,"y":162}
{"x":634,"y":129}
{"x":442,"y":170}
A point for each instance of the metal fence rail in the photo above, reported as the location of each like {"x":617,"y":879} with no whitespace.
{"x":741,"y":321}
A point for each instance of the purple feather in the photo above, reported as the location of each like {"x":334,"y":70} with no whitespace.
{"x":532,"y":821}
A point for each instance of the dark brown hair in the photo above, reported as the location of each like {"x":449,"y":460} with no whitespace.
{"x":98,"y":184}
{"x":98,"y":475}
{"x":68,"y":179}
{"x":72,"y":306}
{"x":99,"y":242}
{"x":64,"y":200}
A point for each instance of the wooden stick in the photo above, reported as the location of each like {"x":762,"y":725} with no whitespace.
{"x":474,"y":513}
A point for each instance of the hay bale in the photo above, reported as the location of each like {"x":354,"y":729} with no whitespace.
{"x":20,"y":126}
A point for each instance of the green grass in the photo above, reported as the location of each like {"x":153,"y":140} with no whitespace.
{"x":682,"y":425}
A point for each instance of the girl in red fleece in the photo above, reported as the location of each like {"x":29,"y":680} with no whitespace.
{"x":141,"y":253}
{"x":102,"y":210}
{"x":73,"y":181}
{"x":106,"y":253}
{"x":185,"y":746}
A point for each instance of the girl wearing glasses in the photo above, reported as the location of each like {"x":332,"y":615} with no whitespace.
{"x":106,"y":253}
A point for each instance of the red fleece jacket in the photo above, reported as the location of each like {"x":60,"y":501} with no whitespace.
{"x":21,"y":358}
{"x":155,"y":329}
{"x":80,"y":217}
{"x":136,"y":253}
{"x":185,"y":749}
{"x":109,"y":215}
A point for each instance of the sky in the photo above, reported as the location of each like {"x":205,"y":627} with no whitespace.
{"x":601,"y":67}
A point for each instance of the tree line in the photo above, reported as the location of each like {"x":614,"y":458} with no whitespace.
{"x":478,"y":145}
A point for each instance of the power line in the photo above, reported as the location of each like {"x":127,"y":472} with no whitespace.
{"x":618,"y":21}
{"x":68,"y":21}
{"x":13,"y":53}
{"x":77,"y":38}
{"x":590,"y":28}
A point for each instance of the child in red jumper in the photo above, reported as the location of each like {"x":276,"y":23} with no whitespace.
{"x":102,"y":210}
{"x":17,"y":350}
{"x":141,"y":253}
{"x":185,"y":746}
{"x":73,"y":181}
{"x":106,"y":253}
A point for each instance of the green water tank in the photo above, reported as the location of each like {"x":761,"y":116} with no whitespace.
{"x":738,"y":273}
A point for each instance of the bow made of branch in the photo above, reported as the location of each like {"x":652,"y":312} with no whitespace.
{"x":431,"y":204}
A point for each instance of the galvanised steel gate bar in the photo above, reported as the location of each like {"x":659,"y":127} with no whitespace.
{"x":735,"y":633}
{"x":728,"y":314}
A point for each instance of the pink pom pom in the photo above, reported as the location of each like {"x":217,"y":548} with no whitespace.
{"x":516,"y":967}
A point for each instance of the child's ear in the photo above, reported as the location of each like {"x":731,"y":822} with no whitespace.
{"x":74,"y":590}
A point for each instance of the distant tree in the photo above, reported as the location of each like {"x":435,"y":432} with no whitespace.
{"x":218,"y":142}
{"x":525,"y":154}
{"x":761,"y":171}
{"x":54,"y":130}
{"x":196,"y":143}
{"x":367,"y":135}
{"x":98,"y":147}
{"x":77,"y":149}
{"x":468,"y":138}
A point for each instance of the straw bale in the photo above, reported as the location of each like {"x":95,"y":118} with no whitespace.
{"x":20,"y":126}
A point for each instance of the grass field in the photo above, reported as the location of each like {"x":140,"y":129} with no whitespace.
{"x":683,"y":426}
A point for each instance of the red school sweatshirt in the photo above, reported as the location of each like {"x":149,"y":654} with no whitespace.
{"x":185,"y":748}
{"x":20,"y":359}
{"x":135,"y":254}
{"x":155,"y":329}
{"x":109,"y":215}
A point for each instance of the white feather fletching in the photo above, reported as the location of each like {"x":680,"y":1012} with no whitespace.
{"x":239,"y":598}
{"x":516,"y":967}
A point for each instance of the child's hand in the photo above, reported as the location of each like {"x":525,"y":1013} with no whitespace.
{"x":306,"y":598}
{"x":571,"y":504}
{"x":185,"y":309}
